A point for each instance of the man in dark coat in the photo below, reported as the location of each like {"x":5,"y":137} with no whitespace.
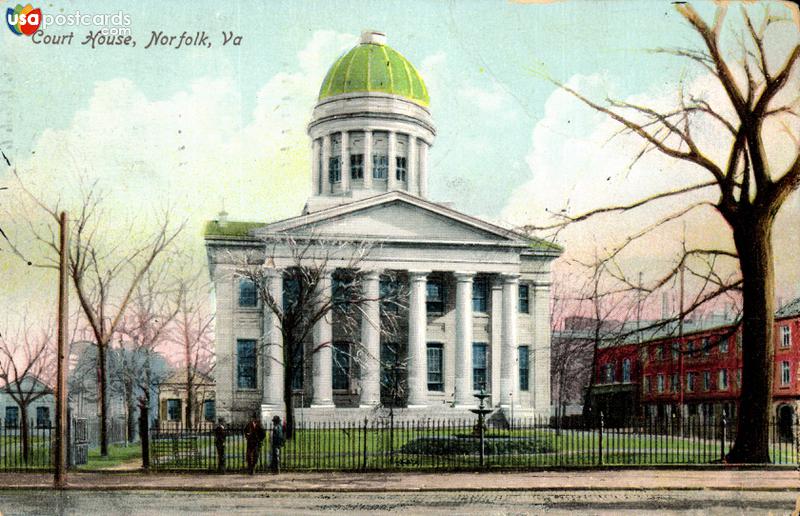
{"x":219,"y":441}
{"x":254,"y":434}
{"x":276,"y":443}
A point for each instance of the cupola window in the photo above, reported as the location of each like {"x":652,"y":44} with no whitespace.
{"x":335,"y":169}
{"x":402,"y":168}
{"x":380,"y":156}
{"x":401,"y":158}
{"x":356,"y":152}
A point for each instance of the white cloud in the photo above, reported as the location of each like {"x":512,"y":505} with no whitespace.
{"x":188,"y":151}
{"x":577,"y":166}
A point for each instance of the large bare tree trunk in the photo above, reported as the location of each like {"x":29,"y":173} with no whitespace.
{"x":288,"y":402}
{"x":24,"y":433}
{"x":103,"y":392}
{"x":754,"y":245}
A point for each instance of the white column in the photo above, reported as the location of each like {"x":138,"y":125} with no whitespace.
{"x":463,"y":355}
{"x":273,"y":352}
{"x":423,"y":169}
{"x":540,"y":365}
{"x":315,"y":168}
{"x":508,"y":388}
{"x":367,"y":159}
{"x":413,"y":180}
{"x":392,"y":180}
{"x":345,"y":153}
{"x":497,"y":332}
{"x":417,"y":341}
{"x":371,"y":340}
{"x":325,"y":184}
{"x":322,"y":358}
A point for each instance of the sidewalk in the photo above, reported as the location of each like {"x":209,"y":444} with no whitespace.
{"x":638,"y":479}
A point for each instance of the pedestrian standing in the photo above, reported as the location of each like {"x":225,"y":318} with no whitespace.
{"x":276,"y":443}
{"x":219,"y":441}
{"x":254,"y":434}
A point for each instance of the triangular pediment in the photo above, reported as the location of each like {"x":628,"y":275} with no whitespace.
{"x":396,"y":217}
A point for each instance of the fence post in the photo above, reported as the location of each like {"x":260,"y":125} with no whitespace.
{"x":600,"y":440}
{"x":366,"y":427}
{"x":723,"y":431}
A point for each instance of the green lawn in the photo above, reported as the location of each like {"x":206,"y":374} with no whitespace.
{"x":11,"y":456}
{"x":335,"y":449}
{"x":117,"y":455}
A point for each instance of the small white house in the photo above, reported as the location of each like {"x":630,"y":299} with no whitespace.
{"x":41,"y":411}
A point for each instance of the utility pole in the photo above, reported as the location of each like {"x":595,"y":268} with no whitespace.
{"x":61,"y":444}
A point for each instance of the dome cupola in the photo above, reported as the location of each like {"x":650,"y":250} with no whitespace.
{"x":371,"y":128}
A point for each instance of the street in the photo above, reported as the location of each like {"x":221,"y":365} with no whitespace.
{"x":77,"y":502}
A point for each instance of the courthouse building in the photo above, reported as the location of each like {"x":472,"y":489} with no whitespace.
{"x":478,"y":312}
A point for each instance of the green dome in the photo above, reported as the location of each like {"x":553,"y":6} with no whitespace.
{"x":374,"y":67}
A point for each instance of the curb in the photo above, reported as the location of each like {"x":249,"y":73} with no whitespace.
{"x":267,"y":490}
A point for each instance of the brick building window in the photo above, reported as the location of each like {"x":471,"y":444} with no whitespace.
{"x":786,"y":336}
{"x":786,"y":372}
{"x":723,"y":346}
{"x":626,"y":370}
{"x":690,"y":381}
{"x":660,"y":383}
{"x":673,"y":384}
{"x":706,"y":380}
{"x":722,"y":383}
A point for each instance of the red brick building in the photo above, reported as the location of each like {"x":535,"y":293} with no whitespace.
{"x":698,"y":374}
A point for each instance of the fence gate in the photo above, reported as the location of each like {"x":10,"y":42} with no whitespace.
{"x":79,"y":449}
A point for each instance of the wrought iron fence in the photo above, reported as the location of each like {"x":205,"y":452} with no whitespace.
{"x":383,"y":444}
{"x":25,"y":448}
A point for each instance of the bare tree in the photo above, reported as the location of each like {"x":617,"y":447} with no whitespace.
{"x":750,"y":188}
{"x":27,"y":366}
{"x":308,"y":263}
{"x":145,"y":327}
{"x":104,"y":273}
{"x":192,"y":330}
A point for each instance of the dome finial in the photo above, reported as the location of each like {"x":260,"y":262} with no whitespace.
{"x":374,"y":37}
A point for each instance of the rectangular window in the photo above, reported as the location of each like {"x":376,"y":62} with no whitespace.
{"x":246,"y":363}
{"x":479,"y":295}
{"x":298,"y":365}
{"x":434,"y":300}
{"x":340,"y":291}
{"x":401,"y":167}
{"x":390,"y":367}
{"x":723,"y":345}
{"x":209,"y":410}
{"x":524,"y":304}
{"x":42,"y":417}
{"x":609,"y":372}
{"x":248,"y":297}
{"x":738,"y":378}
{"x":174,"y":410}
{"x":691,"y":347}
{"x":706,"y":346}
{"x":722,"y":382}
{"x":786,"y":373}
{"x":675,"y":350}
{"x":706,"y":380}
{"x":646,"y":385}
{"x":690,"y":382}
{"x":524,"y":358}
{"x":334,"y":169}
{"x":380,"y":166}
{"x":291,"y":292}
{"x":478,"y":366}
{"x":341,"y":365}
{"x":660,"y":352}
{"x":673,"y":383}
{"x":357,"y":166}
{"x":435,"y":364}
{"x":390,"y":293}
{"x":660,"y":383}
{"x":786,"y":337}
{"x":12,"y":417}
{"x":626,"y":370}
{"x":739,"y":341}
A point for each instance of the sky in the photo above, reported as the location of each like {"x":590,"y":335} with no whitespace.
{"x":200,"y":128}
